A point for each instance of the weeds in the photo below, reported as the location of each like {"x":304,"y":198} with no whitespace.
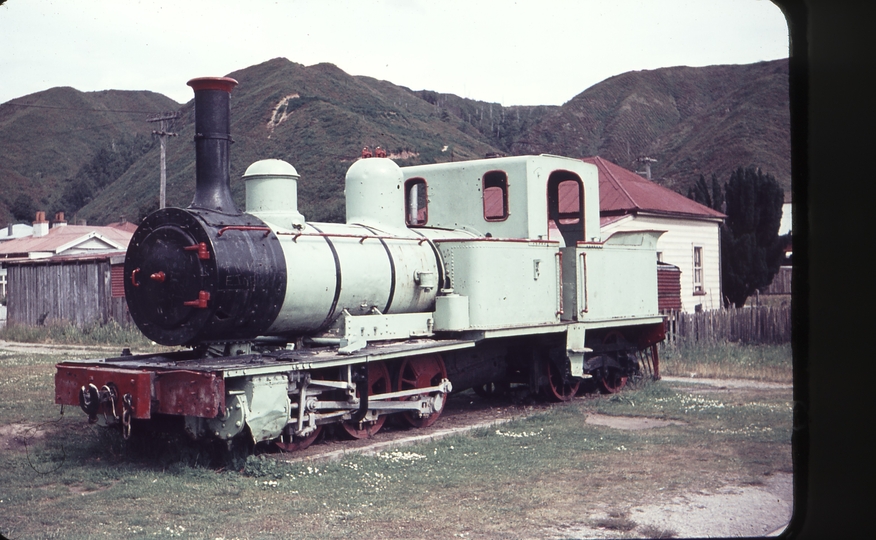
{"x":616,"y":521}
{"x":729,"y":360}
{"x":66,"y":333}
{"x":649,"y":531}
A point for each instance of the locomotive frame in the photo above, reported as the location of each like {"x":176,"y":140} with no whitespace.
{"x":476,"y":274}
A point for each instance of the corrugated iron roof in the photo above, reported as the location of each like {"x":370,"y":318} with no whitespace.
{"x":622,"y":191}
{"x":68,"y":235}
{"x":18,"y":230}
{"x":61,"y":259}
{"x":124,"y":226}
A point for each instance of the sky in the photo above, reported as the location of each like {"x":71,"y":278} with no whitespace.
{"x":524,"y":52}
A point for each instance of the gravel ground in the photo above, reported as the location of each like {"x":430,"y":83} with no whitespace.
{"x":728,"y":512}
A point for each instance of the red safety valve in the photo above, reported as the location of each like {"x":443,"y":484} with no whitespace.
{"x":157,"y":276}
{"x":201,"y":248}
{"x":201,"y":302}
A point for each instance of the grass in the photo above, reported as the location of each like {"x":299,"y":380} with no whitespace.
{"x":500,"y":482}
{"x":769,"y":363}
{"x":96,"y":333}
{"x":508,"y":481}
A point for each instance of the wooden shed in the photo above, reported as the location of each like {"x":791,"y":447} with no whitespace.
{"x":80,"y":289}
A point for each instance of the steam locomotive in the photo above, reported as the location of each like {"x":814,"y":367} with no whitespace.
{"x":477,"y":274}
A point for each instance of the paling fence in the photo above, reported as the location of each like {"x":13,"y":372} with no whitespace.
{"x":760,"y":324}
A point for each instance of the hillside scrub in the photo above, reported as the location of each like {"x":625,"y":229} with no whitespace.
{"x":689,"y":119}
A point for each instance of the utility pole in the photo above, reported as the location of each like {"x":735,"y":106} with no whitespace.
{"x":162,"y":136}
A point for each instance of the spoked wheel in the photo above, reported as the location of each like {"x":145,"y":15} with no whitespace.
{"x":611,"y":379}
{"x":289,"y":442}
{"x":421,"y":372}
{"x":559,"y":389}
{"x":378,"y":383}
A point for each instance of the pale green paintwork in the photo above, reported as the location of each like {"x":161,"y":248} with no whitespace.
{"x":456,"y":201}
{"x":374,"y":193}
{"x":375,"y":284}
{"x":511,"y":273}
{"x":512,"y":283}
{"x":272,"y":192}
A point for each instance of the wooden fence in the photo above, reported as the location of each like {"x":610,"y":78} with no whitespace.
{"x":781,"y":283}
{"x":761,"y":324}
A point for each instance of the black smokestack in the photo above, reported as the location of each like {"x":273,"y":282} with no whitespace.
{"x":212,"y":144}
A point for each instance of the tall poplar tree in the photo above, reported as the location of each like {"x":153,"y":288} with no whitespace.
{"x":751,"y":249}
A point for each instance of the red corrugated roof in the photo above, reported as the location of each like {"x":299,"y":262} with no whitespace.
{"x":61,"y":236}
{"x":622,"y":191}
{"x":126,"y":226}
{"x":61,"y":259}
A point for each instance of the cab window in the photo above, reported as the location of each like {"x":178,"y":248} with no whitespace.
{"x":416,"y":202}
{"x":566,"y":206}
{"x":495,"y":195}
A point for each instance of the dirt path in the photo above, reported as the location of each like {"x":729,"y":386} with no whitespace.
{"x":732,"y":511}
{"x":81,"y":351}
{"x":729,"y":383}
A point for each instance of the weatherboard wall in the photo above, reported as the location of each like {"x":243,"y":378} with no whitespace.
{"x":75,"y":291}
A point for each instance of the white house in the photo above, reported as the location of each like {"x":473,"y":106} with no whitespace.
{"x":58,"y":238}
{"x":10,"y":232}
{"x":691,"y":240}
{"x":785,"y":226}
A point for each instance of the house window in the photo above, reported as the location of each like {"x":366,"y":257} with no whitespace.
{"x":698,"y":270}
{"x":495,"y":196}
{"x":416,"y":202}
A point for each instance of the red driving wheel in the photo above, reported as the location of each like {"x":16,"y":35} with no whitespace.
{"x":421,"y":372}
{"x":378,"y":383}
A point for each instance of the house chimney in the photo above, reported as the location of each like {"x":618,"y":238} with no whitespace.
{"x":59,"y":220}
{"x":647,"y":161}
{"x":40,"y":225}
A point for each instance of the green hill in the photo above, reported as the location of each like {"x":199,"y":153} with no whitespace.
{"x":47,"y":137}
{"x":691,"y":120}
{"x":318,"y":118}
{"x":87,"y":159}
